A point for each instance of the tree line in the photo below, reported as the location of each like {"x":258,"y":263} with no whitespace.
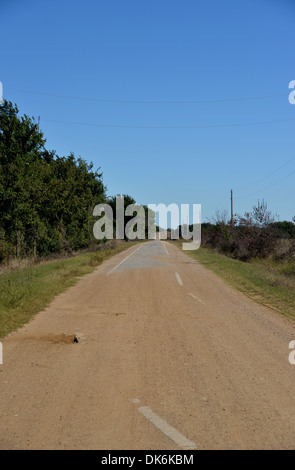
{"x":46,"y":200}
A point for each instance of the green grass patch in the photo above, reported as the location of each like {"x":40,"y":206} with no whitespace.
{"x":267,"y":282}
{"x":27,"y":291}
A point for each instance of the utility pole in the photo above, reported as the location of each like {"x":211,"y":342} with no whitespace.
{"x":231,"y":207}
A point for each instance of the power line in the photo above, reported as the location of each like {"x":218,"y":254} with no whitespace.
{"x":258,"y":181}
{"x":105,"y":100}
{"x":202,"y":126}
{"x":267,"y":176}
{"x":267,"y":187}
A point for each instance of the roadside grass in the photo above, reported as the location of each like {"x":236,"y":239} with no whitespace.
{"x":27,"y":291}
{"x":267,"y":282}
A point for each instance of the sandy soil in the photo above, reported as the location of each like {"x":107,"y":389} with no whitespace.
{"x":154,"y":330}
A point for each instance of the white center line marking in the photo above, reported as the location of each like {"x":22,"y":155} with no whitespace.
{"x":166,"y":429}
{"x":113,"y":269}
{"x":165,"y":249}
{"x":195,"y":297}
{"x":135,"y":400}
{"x":178,"y":279}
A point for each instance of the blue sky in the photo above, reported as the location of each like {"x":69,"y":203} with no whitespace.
{"x":176,"y":74}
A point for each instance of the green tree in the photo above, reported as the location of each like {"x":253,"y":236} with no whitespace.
{"x":46,"y":201}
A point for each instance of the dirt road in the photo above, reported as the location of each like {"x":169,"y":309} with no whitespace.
{"x":168,"y":357}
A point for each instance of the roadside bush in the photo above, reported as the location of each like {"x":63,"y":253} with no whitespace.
{"x":285,"y":250}
{"x":255,"y":235}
